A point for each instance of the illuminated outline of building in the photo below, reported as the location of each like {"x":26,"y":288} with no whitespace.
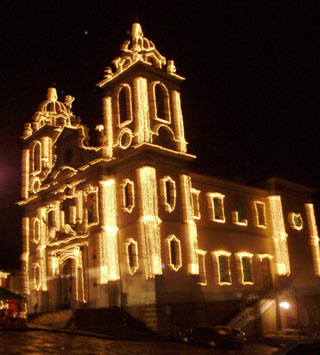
{"x":126,"y":223}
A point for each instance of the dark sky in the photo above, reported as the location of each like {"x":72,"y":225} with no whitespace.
{"x":250,"y":99}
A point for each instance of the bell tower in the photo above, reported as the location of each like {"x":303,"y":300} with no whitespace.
{"x":141,"y":103}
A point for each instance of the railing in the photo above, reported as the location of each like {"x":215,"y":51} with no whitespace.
{"x":251,"y":313}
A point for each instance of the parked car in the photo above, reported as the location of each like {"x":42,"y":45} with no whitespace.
{"x":285,"y":336}
{"x":307,"y":347}
{"x":220,"y":336}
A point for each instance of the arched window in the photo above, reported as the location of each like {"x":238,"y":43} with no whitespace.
{"x":36,"y":157}
{"x":36,"y":276}
{"x":161,"y":102}
{"x":124,"y":105}
{"x":52,"y":219}
{"x":36,"y":230}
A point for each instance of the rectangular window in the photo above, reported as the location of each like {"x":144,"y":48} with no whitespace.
{"x":223,"y":271}
{"x":260,"y":214}
{"x":245,"y":268}
{"x":216,"y":207}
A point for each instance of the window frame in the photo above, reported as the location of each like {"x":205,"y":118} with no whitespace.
{"x":128,"y":98}
{"x":216,"y":256}
{"x":212,"y":196}
{"x":178,"y":255}
{"x":241,"y":256}
{"x":169,"y":207}
{"x":125,"y":206}
{"x":166,"y":103}
{"x":131,"y":242}
{"x":258,"y":215}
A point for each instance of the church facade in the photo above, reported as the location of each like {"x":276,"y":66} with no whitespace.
{"x":126,"y":223}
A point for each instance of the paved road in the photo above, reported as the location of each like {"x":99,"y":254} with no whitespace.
{"x":43,"y":342}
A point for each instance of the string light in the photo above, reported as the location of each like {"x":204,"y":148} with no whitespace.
{"x":279,"y":235}
{"x":149,"y":222}
{"x":191,"y":227}
{"x":314,"y":237}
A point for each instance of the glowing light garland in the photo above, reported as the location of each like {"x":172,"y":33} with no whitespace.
{"x":235,"y":219}
{"x":25,"y":254}
{"x":191,"y":227}
{"x":314,"y":237}
{"x":107,"y":116}
{"x":264,"y":256}
{"x":178,"y":120}
{"x":149,"y":222}
{"x":108,"y":243}
{"x":141,"y":110}
{"x":279,"y":235}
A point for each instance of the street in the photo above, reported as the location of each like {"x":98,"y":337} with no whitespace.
{"x":44,"y":342}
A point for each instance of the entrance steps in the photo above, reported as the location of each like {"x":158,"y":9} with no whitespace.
{"x":255,"y":311}
{"x":59,"y":319}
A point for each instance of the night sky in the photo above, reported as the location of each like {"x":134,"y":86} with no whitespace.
{"x":250,"y":98}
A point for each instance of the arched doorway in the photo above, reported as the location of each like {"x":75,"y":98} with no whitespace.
{"x":67,"y":282}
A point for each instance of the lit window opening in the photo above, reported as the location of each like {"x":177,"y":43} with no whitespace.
{"x":161,"y":108}
{"x":196,"y":203}
{"x":245,"y":272}
{"x":174,"y":253}
{"x":222,"y":259}
{"x":295,"y":221}
{"x":124,"y":105}
{"x":168,"y":193}
{"x":216,"y":207}
{"x":132,"y":256}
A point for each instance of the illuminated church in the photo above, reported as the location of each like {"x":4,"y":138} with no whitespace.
{"x":126,"y":223}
